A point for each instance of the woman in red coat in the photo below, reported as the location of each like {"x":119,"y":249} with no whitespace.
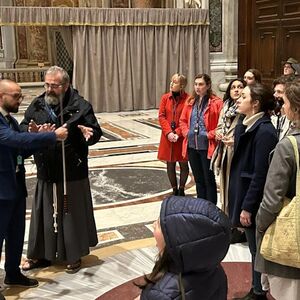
{"x":198,"y":122}
{"x":170,"y":147}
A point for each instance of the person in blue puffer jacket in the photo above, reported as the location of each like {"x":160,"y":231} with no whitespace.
{"x":192,"y":237}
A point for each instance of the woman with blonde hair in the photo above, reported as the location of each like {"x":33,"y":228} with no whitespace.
{"x":170,"y":146}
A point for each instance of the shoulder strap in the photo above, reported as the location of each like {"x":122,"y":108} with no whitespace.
{"x":296,"y":152}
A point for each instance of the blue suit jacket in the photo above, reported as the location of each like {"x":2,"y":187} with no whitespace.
{"x":13,"y":143}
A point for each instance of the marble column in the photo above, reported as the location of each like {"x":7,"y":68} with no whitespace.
{"x":224,"y":62}
{"x":8,"y":52}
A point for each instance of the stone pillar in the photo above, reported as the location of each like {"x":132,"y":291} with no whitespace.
{"x":8,"y":41}
{"x":224,"y":62}
{"x":230,"y":42}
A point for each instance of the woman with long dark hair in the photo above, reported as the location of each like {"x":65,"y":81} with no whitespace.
{"x":254,"y":139}
{"x":252,"y":76}
{"x":198,"y":123}
{"x":225,"y":136}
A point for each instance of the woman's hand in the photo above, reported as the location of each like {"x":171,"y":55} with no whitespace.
{"x":219,"y":136}
{"x":172,"y":137}
{"x":228,"y":141}
{"x":245,"y":218}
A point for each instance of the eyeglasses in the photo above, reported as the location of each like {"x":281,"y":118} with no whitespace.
{"x":15,"y":96}
{"x":52,"y":85}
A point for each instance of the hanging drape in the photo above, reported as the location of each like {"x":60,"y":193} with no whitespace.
{"x":124,"y":58}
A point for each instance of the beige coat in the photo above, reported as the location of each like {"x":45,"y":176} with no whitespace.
{"x":221,"y":160}
{"x":281,"y":181}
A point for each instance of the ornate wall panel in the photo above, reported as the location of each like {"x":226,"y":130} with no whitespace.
{"x":120,"y":3}
{"x":66,"y":3}
{"x":37,"y":42}
{"x":90,"y":3}
{"x":22,"y":42}
{"x":215,"y":30}
{"x":146,"y":3}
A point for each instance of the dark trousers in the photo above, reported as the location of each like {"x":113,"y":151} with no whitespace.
{"x":256,"y":276}
{"x":12,"y":229}
{"x":204,"y":178}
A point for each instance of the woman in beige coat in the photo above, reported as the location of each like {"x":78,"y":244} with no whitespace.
{"x":225,"y":135}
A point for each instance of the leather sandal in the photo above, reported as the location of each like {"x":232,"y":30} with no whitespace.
{"x":35,"y":263}
{"x":74,"y":267}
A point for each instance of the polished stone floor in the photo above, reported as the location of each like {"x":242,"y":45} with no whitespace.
{"x":128,"y":184}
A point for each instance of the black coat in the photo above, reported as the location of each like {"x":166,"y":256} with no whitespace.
{"x":196,"y":234}
{"x":76,"y":111}
{"x":249,"y":167}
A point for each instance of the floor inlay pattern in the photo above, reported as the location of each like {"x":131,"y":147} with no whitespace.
{"x":121,"y":184}
{"x":128,"y":184}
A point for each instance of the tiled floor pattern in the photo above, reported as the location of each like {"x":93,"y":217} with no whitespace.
{"x":123,"y":213}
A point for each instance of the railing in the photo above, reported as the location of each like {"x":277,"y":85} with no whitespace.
{"x":32,"y":76}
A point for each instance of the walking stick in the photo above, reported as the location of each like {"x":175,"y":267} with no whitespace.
{"x":65,"y":203}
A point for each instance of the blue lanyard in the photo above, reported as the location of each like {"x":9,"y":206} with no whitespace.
{"x":51,"y":113}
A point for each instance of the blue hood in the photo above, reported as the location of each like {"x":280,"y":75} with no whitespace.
{"x":196,"y":232}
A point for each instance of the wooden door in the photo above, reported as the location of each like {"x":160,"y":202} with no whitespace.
{"x":272,"y":31}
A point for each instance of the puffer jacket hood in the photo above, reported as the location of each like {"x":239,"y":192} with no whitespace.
{"x":196,"y":233}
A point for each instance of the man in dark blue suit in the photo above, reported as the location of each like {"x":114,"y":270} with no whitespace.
{"x":14,"y":147}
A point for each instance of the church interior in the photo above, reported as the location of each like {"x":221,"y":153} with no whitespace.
{"x":124,"y":79}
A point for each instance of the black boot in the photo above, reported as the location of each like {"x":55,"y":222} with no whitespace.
{"x":175,"y":191}
{"x":237,"y":236}
{"x":181,"y":191}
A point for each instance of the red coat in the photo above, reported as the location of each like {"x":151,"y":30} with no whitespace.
{"x":170,"y":110}
{"x":211,"y":117}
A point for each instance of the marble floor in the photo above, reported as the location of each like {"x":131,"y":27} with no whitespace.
{"x":128,"y":184}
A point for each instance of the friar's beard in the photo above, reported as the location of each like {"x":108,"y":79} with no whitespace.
{"x":53,"y":99}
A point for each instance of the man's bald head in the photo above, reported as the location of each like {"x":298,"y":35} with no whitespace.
{"x":7,"y":85}
{"x":10,"y":95}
